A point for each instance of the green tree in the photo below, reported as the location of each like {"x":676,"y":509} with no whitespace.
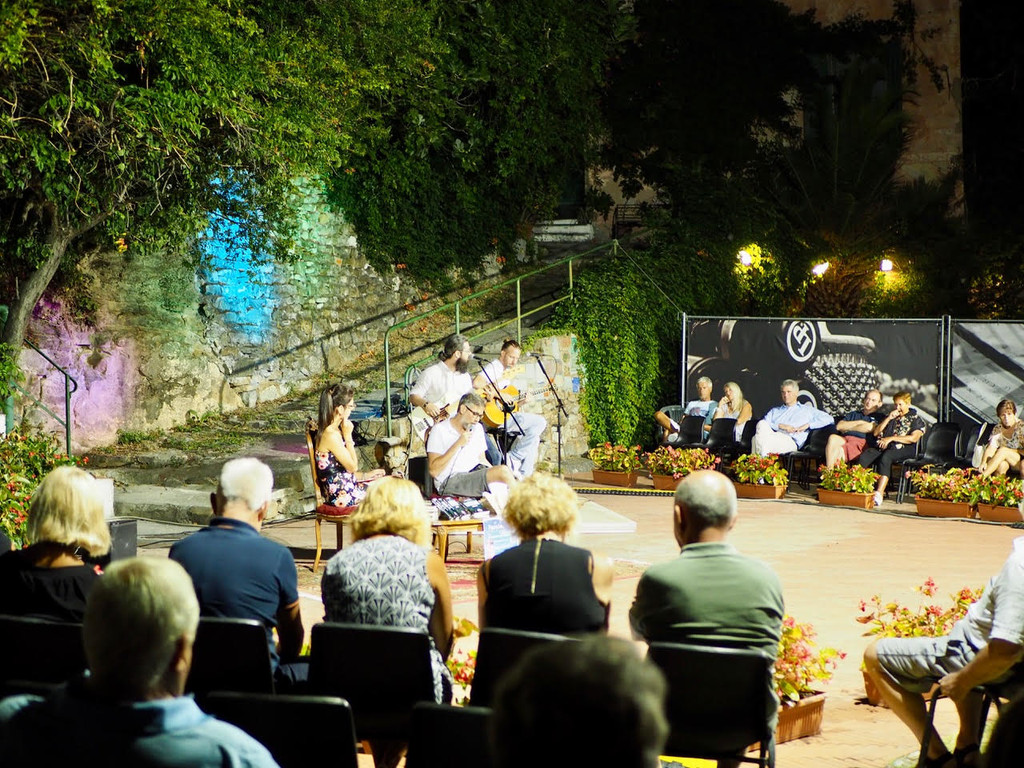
{"x":480,"y":144}
{"x":127,"y":123}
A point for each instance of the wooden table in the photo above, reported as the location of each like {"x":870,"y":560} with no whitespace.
{"x":443,"y":528}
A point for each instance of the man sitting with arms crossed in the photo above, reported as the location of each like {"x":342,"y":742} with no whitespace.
{"x":140,"y":623}
{"x":785,"y":427}
{"x":456,"y":453}
{"x":855,"y":431}
{"x":527,"y":427}
{"x":239,"y":574}
{"x":703,"y":406}
{"x":980,"y":648}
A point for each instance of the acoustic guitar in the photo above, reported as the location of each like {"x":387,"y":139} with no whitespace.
{"x":421,"y":421}
{"x":494,"y":410}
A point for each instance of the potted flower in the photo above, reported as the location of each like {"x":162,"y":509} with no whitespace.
{"x":847,"y":485}
{"x":942,"y":495}
{"x":615,"y":464}
{"x":462,"y":661}
{"x":997,"y":498}
{"x":800,"y":671}
{"x":669,"y":465}
{"x":759,"y":477}
{"x":891,"y":619}
{"x":24,"y":461}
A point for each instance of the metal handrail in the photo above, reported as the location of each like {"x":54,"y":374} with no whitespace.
{"x":70,"y":386}
{"x":612,"y":247}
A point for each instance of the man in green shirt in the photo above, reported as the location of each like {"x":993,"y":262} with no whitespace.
{"x":710,"y":594}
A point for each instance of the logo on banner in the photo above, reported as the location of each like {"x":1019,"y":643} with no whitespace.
{"x":801,"y":339}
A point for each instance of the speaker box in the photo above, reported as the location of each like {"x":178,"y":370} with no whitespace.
{"x":124,"y":537}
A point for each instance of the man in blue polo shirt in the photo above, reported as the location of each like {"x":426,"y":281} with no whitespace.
{"x":240,"y":574}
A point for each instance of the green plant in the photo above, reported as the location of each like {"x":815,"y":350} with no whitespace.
{"x":848,"y":478}
{"x":615,"y":458}
{"x":927,"y":620}
{"x":462,"y":663}
{"x":801,"y":668}
{"x":953,"y":485}
{"x":679,"y":462}
{"x":1000,"y":490}
{"x":759,"y":470}
{"x":10,"y":373}
{"x":24,"y":462}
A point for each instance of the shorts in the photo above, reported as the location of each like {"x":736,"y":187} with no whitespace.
{"x":472,"y":483}
{"x":916,"y":663}
{"x":853,"y":447}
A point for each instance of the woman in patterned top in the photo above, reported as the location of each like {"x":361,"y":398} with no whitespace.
{"x":896,"y":439}
{"x":1006,"y":443}
{"x":337,"y":463}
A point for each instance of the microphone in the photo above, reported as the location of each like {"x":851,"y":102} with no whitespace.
{"x":481,"y":361}
{"x":534,"y":354}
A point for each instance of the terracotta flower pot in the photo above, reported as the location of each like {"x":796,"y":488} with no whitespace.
{"x":621,"y":479}
{"x":936,"y":508}
{"x":843,"y":499}
{"x":801,"y":719}
{"x":996,"y":514}
{"x":758,"y":491}
{"x":664,"y":482}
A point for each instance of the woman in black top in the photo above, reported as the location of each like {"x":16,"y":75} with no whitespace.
{"x":544,"y":585}
{"x":50,"y":579}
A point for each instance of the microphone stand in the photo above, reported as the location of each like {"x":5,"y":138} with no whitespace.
{"x":506,"y":410}
{"x":559,"y":410}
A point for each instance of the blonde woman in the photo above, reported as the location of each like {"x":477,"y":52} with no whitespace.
{"x":733,"y":406}
{"x":544,"y":584}
{"x":1003,"y":451}
{"x":387,"y":577}
{"x":337,"y":464}
{"x":51,"y":578}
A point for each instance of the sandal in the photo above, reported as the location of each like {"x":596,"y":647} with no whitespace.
{"x":947,"y":760}
{"x":963,"y":753}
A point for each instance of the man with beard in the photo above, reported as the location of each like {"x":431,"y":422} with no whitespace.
{"x":446,"y":380}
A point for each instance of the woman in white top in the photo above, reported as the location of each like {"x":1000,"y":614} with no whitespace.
{"x":1006,"y":443}
{"x":733,"y":406}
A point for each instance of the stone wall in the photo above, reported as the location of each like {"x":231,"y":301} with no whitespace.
{"x":167,"y":339}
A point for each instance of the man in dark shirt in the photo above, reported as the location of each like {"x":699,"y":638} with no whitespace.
{"x":854,"y":431}
{"x":239,"y":574}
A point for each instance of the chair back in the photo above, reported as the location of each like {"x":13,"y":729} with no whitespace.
{"x":817,"y":439}
{"x":674,"y":412}
{"x":942,"y":440}
{"x":691,"y":430}
{"x":722,"y":437}
{"x":381,"y":671}
{"x":747,"y":440}
{"x":498,"y":650}
{"x":36,"y":650}
{"x":720,"y":700}
{"x":230,"y":655}
{"x":449,"y":737}
{"x":299,"y":731}
{"x":311,"y":434}
{"x":418,"y":470}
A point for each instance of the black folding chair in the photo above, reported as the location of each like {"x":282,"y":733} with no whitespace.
{"x":297,"y":730}
{"x":811,"y":455}
{"x":230,"y":655}
{"x":498,"y":651}
{"x":449,"y":737}
{"x":937,"y":449}
{"x":720,"y":702}
{"x":691,"y":428}
{"x":39,"y":651}
{"x":382,"y":695}
{"x":721,"y":439}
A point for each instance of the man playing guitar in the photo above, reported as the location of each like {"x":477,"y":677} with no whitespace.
{"x":445,"y":381}
{"x":522,"y":454}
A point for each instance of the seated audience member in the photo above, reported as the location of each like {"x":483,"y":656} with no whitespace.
{"x":1003,"y":450}
{"x":544,"y":584}
{"x":855,"y":431}
{"x":981,"y":648}
{"x":387,"y":577}
{"x":733,"y":406}
{"x":785,"y":427}
{"x":896,"y":439}
{"x":139,"y":627}
{"x":703,"y":406}
{"x":51,"y":578}
{"x":239,"y":574}
{"x":710,"y":594}
{"x":456,"y":453}
{"x":592,"y":702}
{"x":337,"y":463}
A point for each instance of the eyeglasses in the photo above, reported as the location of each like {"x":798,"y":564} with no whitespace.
{"x":478,"y":414}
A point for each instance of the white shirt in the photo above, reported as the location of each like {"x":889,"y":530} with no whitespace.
{"x":439,"y":384}
{"x":493,"y":371}
{"x":443,"y":436}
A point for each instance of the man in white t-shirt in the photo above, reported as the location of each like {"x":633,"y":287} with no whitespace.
{"x":526,"y":427}
{"x":456,"y":453}
{"x":446,"y":380}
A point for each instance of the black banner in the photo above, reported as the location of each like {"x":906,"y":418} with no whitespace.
{"x":835,"y":361}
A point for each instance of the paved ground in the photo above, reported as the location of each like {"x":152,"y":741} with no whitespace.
{"x":828,"y":559}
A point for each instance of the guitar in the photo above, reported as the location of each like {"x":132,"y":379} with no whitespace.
{"x":494,"y":410}
{"x":422,"y":421}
